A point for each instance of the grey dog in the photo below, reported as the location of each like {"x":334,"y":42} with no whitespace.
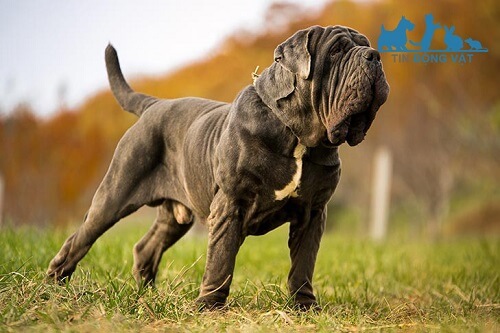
{"x":242,"y":168}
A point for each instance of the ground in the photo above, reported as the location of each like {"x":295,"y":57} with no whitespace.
{"x":398,"y":285}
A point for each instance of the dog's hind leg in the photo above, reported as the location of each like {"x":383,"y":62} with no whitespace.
{"x":132,"y":181}
{"x":172,"y":222}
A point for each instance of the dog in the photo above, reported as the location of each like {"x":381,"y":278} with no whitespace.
{"x":395,"y":39}
{"x":244,"y":168}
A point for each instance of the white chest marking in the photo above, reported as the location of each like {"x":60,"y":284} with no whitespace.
{"x":290,"y":188}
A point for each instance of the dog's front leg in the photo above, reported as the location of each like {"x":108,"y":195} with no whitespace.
{"x":304,"y":239}
{"x":224,"y":240}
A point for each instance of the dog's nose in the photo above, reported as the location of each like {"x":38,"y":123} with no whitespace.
{"x":371,"y":55}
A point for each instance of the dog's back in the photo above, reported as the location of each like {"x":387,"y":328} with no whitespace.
{"x":185,"y":124}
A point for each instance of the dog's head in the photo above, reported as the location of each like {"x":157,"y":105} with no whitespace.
{"x":326,"y":85}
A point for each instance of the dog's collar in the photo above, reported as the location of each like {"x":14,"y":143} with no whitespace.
{"x":255,"y":76}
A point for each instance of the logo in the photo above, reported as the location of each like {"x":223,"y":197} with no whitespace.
{"x":456,"y":49}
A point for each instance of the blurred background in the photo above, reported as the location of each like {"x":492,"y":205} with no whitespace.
{"x":439,"y":132}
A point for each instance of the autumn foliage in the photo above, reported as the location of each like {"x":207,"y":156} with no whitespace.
{"x":442,"y":120}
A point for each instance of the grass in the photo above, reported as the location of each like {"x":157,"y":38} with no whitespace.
{"x":362,"y":286}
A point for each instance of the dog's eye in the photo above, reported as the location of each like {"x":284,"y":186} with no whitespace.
{"x":335,"y":53}
{"x":277,"y":59}
{"x":335,"y":49}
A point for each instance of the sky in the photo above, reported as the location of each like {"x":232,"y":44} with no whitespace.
{"x":52,"y":52}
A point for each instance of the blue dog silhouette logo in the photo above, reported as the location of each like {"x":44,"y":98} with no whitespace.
{"x":395,"y":38}
{"x":396,"y":41}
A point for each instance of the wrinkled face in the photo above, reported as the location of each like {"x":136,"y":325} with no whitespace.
{"x":326,"y":85}
{"x":352,"y":87}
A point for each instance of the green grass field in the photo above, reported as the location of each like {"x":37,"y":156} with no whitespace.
{"x":417,"y":286}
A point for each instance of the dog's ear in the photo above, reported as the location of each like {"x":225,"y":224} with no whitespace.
{"x":293,"y":54}
{"x":278,"y":83}
{"x":291,"y":58}
{"x":273,"y":84}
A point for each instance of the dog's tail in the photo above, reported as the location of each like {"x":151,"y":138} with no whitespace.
{"x":128,"y":99}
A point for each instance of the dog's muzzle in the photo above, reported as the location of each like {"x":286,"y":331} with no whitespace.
{"x":360,"y":98}
{"x":338,"y":134}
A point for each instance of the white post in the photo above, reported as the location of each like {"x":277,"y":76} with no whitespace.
{"x":380,"y":193}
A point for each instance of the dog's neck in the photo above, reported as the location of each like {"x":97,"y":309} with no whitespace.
{"x":284,"y":137}
{"x":278,"y":89}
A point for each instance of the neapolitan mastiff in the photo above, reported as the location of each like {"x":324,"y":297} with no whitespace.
{"x":243,"y":168}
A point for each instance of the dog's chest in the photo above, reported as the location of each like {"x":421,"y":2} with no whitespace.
{"x":290,"y":189}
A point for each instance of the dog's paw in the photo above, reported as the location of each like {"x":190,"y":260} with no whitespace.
{"x":209,"y":304}
{"x":307,"y":305}
{"x":53,"y":276}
